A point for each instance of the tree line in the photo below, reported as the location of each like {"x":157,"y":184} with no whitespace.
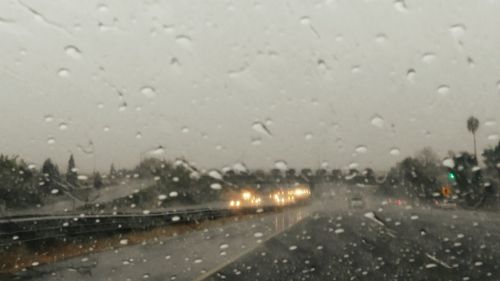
{"x":420,"y":177}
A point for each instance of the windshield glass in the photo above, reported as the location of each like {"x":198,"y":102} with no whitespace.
{"x":249,"y":140}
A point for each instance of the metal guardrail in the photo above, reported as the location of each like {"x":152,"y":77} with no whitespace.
{"x":19,"y":229}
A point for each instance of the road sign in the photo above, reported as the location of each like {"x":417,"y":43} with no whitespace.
{"x":446,"y":191}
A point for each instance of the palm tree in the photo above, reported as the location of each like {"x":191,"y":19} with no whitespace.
{"x":472,"y":126}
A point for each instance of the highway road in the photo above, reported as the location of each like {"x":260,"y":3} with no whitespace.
{"x":326,"y":240}
{"x":393,"y":243}
{"x":183,"y":257}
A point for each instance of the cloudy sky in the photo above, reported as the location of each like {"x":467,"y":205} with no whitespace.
{"x":336,"y":82}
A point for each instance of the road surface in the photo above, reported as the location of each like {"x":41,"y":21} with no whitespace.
{"x":324,"y":241}
{"x":184,"y":257}
{"x":393,"y":243}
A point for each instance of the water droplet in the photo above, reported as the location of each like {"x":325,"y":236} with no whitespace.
{"x":105,"y":129}
{"x":493,"y":137}
{"x":322,"y":64}
{"x":490,"y":123}
{"x":51,"y":140}
{"x":443,"y":90}
{"x":471,"y":62}
{"x":124,"y":242}
{"x":448,"y":162}
{"x":48,"y":118}
{"x":184,"y":41}
{"x":224,"y":246}
{"x":394,"y":151}
{"x":256,"y":141}
{"x":185,"y":130}
{"x":261,"y":128}
{"x":430,"y":265}
{"x":82,"y":177}
{"x":381,"y":38}
{"x":175,"y":62}
{"x":89,"y":149}
{"x":102,"y":8}
{"x":215,"y":174}
{"x":198,"y":261}
{"x":216,"y":186}
{"x":400,"y":5}
{"x":292,"y":248}
{"x":157,"y":151}
{"x":428,"y":57}
{"x":148,"y":92}
{"x":35,"y":263}
{"x":457,"y":30}
{"x":54,"y":191}
{"x":411,"y":74}
{"x":377,"y":121}
{"x":63,"y":72}
{"x":146,"y":212}
{"x":361,"y":149}
{"x":281,"y":165}
{"x":355,"y":69}
{"x":138,"y":135}
{"x":339,"y":230}
{"x":305,"y":20}
{"x":173,"y":194}
{"x":258,"y":234}
{"x":240,"y":167}
{"x":162,"y":197}
{"x":176,"y":218}
{"x":308,"y":136}
{"x":73,"y":52}
{"x":15,"y":237}
{"x":122,"y":106}
{"x":63,"y":126}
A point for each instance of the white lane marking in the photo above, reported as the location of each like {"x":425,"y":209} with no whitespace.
{"x":438,"y":261}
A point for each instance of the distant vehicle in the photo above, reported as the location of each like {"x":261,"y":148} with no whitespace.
{"x":356,"y":202}
{"x":282,"y":196}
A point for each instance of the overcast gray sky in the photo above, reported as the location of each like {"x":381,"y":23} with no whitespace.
{"x":111,"y":80}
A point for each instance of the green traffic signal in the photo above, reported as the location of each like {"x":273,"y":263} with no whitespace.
{"x":451,"y":176}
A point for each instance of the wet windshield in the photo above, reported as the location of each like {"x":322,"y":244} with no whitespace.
{"x":249,"y":140}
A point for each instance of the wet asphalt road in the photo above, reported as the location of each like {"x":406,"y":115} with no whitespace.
{"x":393,"y":243}
{"x":323,"y":241}
{"x":188,"y":256}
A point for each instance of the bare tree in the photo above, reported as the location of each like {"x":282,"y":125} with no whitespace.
{"x":427,"y":157}
{"x":472,"y":126}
